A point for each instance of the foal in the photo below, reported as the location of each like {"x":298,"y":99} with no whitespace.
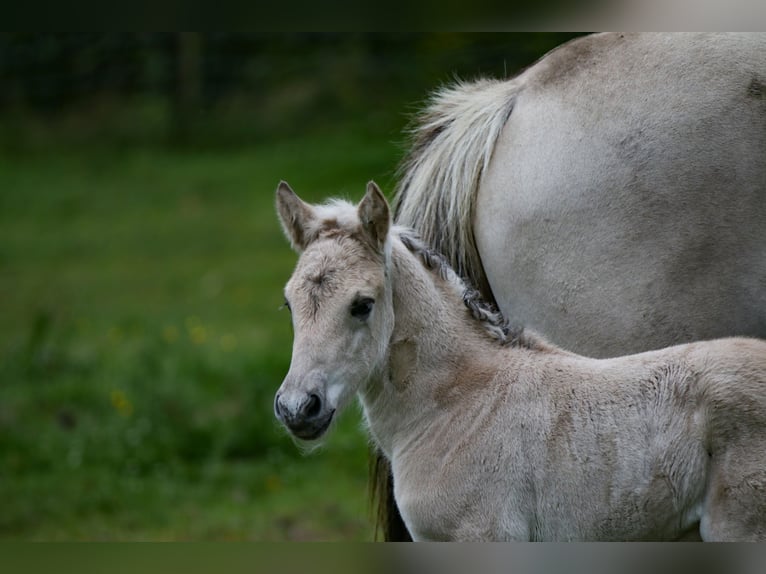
{"x":494,"y":434}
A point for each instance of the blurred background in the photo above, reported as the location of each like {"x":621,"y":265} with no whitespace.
{"x":142,"y":266}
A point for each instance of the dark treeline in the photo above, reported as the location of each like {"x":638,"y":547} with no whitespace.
{"x":193,"y":85}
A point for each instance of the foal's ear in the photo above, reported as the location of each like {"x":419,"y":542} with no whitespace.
{"x":375,"y":215}
{"x":295,"y":215}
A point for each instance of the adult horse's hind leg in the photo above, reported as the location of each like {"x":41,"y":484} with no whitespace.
{"x":735,"y":506}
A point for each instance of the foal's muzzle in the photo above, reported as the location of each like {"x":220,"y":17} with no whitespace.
{"x":305,"y":415}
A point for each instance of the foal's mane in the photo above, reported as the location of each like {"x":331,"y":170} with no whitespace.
{"x":496,"y":324}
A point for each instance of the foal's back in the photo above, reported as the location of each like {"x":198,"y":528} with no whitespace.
{"x":682,"y":428}
{"x":649,"y":446}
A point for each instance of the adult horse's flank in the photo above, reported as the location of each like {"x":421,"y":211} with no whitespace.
{"x":611,"y":197}
{"x":494,"y":434}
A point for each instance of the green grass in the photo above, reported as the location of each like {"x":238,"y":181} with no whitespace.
{"x":142,"y":341}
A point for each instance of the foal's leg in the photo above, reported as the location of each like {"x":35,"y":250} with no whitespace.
{"x":735,"y":505}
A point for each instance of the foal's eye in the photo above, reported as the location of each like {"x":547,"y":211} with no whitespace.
{"x":361,"y":308}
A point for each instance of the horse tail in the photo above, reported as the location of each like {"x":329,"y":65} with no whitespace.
{"x":452,"y":144}
{"x":388,"y":521}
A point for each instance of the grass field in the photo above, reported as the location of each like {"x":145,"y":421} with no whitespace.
{"x":141,"y":343}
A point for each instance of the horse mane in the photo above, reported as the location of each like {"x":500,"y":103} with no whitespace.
{"x":493,"y":320}
{"x":452,"y":141}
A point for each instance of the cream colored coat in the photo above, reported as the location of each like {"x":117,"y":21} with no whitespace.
{"x":494,"y":434}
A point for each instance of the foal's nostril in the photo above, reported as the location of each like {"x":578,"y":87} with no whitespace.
{"x":313,"y":406}
{"x":277,"y":410}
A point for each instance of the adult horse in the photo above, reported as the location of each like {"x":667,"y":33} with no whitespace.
{"x":611,"y":197}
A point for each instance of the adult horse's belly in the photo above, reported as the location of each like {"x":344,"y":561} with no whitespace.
{"x":624,"y":208}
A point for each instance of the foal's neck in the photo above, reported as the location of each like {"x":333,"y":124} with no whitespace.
{"x":429,"y":311}
{"x":435,"y":345}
